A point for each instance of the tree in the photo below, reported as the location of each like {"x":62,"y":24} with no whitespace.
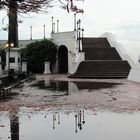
{"x":37,"y":53}
{"x":25,"y":6}
{"x":3,"y":58}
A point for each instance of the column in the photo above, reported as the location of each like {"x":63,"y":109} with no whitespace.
{"x":47,"y":68}
{"x":24,"y":66}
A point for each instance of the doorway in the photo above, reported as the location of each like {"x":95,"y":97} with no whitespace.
{"x":62,"y":59}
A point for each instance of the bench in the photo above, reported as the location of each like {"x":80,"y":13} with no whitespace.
{"x":5,"y":89}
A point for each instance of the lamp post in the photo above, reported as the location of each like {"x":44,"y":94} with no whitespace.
{"x":74,"y":21}
{"x":9,"y":46}
{"x":30,"y":32}
{"x":44,"y":30}
{"x":52,"y":25}
{"x":79,"y":37}
{"x":57,"y":26}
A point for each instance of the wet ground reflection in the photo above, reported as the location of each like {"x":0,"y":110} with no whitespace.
{"x":67,"y":85}
{"x":52,"y":85}
{"x":79,"y":124}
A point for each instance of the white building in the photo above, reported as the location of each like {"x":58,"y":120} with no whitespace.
{"x":69,"y":52}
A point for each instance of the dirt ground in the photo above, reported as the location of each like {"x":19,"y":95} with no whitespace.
{"x":112,"y":94}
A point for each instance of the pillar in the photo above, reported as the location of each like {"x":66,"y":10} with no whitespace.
{"x":47,"y":68}
{"x":24,"y":66}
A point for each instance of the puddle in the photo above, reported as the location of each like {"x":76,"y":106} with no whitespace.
{"x":48,"y":116}
{"x":67,"y":85}
{"x":52,"y":85}
{"x":75,"y":124}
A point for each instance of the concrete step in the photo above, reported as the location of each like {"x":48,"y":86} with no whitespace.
{"x":101,"y":54}
{"x":95,"y":42}
{"x":102,"y":69}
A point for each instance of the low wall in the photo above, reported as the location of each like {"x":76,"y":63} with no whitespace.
{"x":134,"y":74}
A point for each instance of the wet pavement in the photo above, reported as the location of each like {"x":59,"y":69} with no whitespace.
{"x":78,"y":124}
{"x":55,"y":107}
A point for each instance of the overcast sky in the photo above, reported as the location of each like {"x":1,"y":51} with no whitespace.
{"x":120,"y":17}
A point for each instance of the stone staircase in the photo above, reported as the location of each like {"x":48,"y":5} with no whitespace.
{"x":101,"y":61}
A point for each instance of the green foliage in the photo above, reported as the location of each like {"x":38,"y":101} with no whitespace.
{"x":37,"y":53}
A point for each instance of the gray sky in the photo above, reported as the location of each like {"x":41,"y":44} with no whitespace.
{"x":120,"y":17}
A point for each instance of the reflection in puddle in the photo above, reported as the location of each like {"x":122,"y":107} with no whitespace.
{"x":14,"y":126}
{"x":94,"y":85}
{"x":69,"y":86}
{"x":52,"y":85}
{"x":69,"y":124}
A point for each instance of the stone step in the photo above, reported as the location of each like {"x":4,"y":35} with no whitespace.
{"x":95,"y":43}
{"x":101,"y":61}
{"x":99,"y":76}
{"x":104,"y":63}
{"x":102,"y":69}
{"x":101,"y":54}
{"x":121,"y":71}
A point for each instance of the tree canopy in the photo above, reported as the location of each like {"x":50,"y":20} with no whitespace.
{"x":3,"y":58}
{"x":14,"y":7}
{"x":37,"y":53}
{"x":25,"y":6}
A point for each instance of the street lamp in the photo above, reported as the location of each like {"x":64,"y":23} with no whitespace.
{"x":52,"y":25}
{"x":79,"y":36}
{"x":9,"y":46}
{"x":44,"y":30}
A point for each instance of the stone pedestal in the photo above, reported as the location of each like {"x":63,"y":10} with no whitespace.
{"x":15,"y":59}
{"x":47,"y":68}
{"x":24,"y":66}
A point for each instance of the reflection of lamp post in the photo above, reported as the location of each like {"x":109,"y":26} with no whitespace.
{"x":14,"y":125}
{"x":75,"y":123}
{"x":8,"y":46}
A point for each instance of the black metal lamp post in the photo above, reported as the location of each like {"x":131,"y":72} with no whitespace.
{"x":79,"y":37}
{"x":30,"y":32}
{"x":82,"y":33}
{"x":74,"y":21}
{"x":57,"y":26}
{"x":44,"y":30}
{"x":52,"y":25}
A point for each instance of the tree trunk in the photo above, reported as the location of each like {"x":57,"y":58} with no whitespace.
{"x":13,"y":24}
